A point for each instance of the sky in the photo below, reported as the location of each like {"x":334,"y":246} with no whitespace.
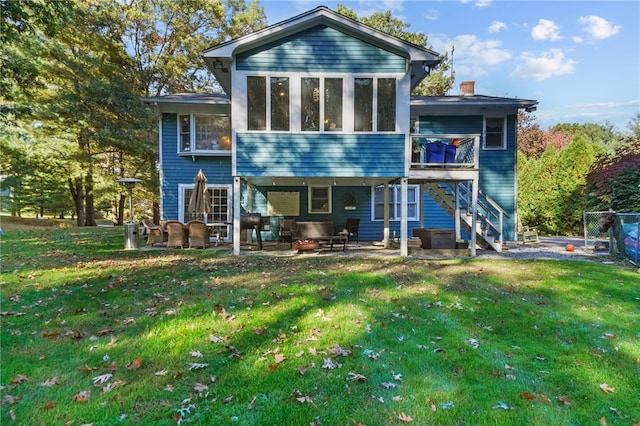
{"x":579,"y":59}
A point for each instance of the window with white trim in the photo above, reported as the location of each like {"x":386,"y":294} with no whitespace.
{"x":319,"y":199}
{"x":395,"y":200}
{"x":204,"y":133}
{"x":315,"y":107}
{"x":219,"y":197}
{"x":494,"y":133}
{"x":277,"y":109}
{"x":374,"y":94}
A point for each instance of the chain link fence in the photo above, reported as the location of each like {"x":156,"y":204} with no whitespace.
{"x":619,"y":233}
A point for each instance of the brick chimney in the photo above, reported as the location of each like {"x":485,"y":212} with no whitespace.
{"x":467,"y":88}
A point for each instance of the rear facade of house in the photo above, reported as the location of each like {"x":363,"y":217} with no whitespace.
{"x":318,"y":124}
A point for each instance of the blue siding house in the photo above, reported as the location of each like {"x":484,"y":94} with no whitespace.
{"x":318,"y":124}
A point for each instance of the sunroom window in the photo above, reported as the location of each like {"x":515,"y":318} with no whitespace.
{"x":395,"y":200}
{"x":374,"y":94}
{"x":278,"y":107}
{"x":314,"y":105}
{"x":204,"y":133}
{"x":494,"y":136}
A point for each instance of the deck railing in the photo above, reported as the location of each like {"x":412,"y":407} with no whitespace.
{"x":445,"y":151}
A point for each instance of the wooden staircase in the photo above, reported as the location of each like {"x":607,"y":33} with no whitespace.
{"x":455,"y":199}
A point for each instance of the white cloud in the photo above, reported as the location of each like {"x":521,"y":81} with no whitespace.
{"x":550,"y":64}
{"x":431,"y":15}
{"x":483,"y":3}
{"x":497,"y":26}
{"x":546,"y":30}
{"x":469,"y":48}
{"x":599,"y":28}
{"x":472,"y":57}
{"x":577,"y":39}
{"x":477,"y":3}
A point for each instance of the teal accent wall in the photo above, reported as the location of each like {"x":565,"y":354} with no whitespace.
{"x":321,"y":49}
{"x":182,"y":170}
{"x":315,"y":154}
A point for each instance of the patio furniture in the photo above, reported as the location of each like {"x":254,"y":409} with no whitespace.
{"x":155,"y":234}
{"x":353,"y":226}
{"x":285,"y":230}
{"x":322,"y":232}
{"x":178,"y":234}
{"x":199,"y":234}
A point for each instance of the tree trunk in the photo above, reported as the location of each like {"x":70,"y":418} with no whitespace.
{"x":115,"y":218}
{"x":156,"y":212}
{"x":77,"y":194}
{"x":121,"y":207}
{"x":90,"y":219}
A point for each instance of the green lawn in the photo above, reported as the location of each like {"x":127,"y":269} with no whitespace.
{"x":93,"y":334}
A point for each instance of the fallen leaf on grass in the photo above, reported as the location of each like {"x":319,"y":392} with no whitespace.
{"x":135,"y":364}
{"x":330,"y":364}
{"x":252,"y":403}
{"x":197,"y":366}
{"x":606,"y":388}
{"x":502,"y":406}
{"x":102,"y":378}
{"x":405,"y":418}
{"x":279,"y":358}
{"x":53,"y":381}
{"x":432,"y":405}
{"x":82,"y":396}
{"x":303,"y":370}
{"x":564,"y":400}
{"x":196,"y":354}
{"x":528,"y":396}
{"x":111,"y":386}
{"x":356,"y":377}
{"x":473,"y":342}
{"x":10,"y":399}
{"x":388,"y":385}
{"x":49,"y":405}
{"x":339,"y":351}
{"x":200,"y":387}
{"x":20,"y":378}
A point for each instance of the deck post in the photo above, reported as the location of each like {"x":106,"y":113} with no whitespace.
{"x":404,"y":211}
{"x":474,"y":217}
{"x":236,"y":215}
{"x":385,"y":199}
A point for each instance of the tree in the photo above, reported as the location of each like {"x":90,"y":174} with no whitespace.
{"x":166,"y":37}
{"x":533,"y":140}
{"x":437,"y":83}
{"x":73,"y":75}
{"x":613,"y":182}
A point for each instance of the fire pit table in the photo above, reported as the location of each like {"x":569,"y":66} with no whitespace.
{"x":305,"y":245}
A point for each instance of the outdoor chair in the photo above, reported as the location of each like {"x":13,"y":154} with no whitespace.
{"x":353,"y":227}
{"x":286,"y":230}
{"x":155,"y":234}
{"x":199,"y":234}
{"x":177,"y":233}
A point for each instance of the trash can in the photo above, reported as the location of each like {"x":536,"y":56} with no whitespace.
{"x":435,"y":152}
{"x":131,"y":236}
{"x":450,"y":153}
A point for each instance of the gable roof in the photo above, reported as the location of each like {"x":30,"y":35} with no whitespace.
{"x":219,"y":58}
